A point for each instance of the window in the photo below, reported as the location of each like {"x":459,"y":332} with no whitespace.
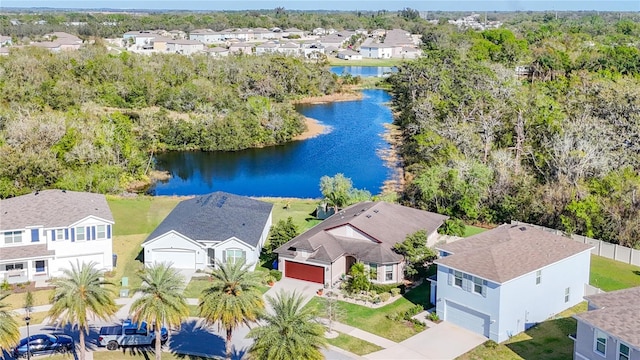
{"x":234,"y":255}
{"x":39,"y":266}
{"x":80,"y":234}
{"x":12,"y":237}
{"x":477,"y":285}
{"x":458,"y":278}
{"x":101,"y":232}
{"x":623,"y":352}
{"x":59,"y":234}
{"x":601,"y":343}
{"x":17,"y":266}
{"x":373,"y":271}
{"x":567,"y":294}
{"x":538,"y":277}
{"x":388,"y":272}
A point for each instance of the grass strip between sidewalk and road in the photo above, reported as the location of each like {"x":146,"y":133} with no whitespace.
{"x":354,"y":345}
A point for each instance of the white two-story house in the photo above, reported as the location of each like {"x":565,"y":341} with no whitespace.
{"x":503,"y":281}
{"x":44,"y":232}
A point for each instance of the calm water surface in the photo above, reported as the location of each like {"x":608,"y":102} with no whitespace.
{"x":364,"y":71}
{"x":293,"y":169}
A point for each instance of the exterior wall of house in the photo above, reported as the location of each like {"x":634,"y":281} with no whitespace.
{"x":251,"y":254}
{"x":448,"y":293}
{"x":585,"y":345}
{"x":172,"y":241}
{"x":432,"y":238}
{"x":525,"y":303}
{"x":265,"y":232}
{"x":338,"y":268}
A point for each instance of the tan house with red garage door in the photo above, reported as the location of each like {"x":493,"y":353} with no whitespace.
{"x":365,"y":232}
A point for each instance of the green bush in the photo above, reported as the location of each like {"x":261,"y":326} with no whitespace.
{"x":383,"y":288}
{"x":395,"y":291}
{"x":385,"y":296}
{"x":433,"y":317}
{"x":490,"y":344}
{"x":277,"y":274}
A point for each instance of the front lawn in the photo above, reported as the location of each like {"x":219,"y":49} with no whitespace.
{"x":16,"y":301}
{"x":610,"y":275}
{"x":548,"y":340}
{"x":140,"y":214}
{"x":196,"y":286}
{"x":298,"y":209}
{"x":375,"y":321}
{"x":354,"y":345}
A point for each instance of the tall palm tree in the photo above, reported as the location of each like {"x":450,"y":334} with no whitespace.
{"x":162,"y":302}
{"x":232,"y":299}
{"x":80,"y":296}
{"x":291,"y":332}
{"x":9,"y":332}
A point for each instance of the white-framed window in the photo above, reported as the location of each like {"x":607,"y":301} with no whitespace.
{"x":373,"y":271}
{"x":477,"y":285}
{"x":567,"y":294}
{"x":16,"y":266}
{"x":623,"y":351}
{"x":538,"y":277}
{"x":600,"y":345}
{"x":13,"y":237}
{"x":80,"y":235}
{"x":388,"y":272}
{"x":59,"y":234}
{"x":457,"y":278}
{"x":101,"y":232}
{"x":235,"y":255}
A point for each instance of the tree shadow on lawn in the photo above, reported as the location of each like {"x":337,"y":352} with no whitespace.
{"x":545,"y":341}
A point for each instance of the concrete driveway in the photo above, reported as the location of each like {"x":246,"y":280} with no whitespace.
{"x":306,"y":288}
{"x":439,"y":342}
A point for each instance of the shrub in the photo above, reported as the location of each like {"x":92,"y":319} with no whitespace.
{"x":385,"y":296}
{"x":414,"y":310}
{"x":373,"y":293}
{"x":490,"y":344}
{"x":277,"y":274}
{"x":5,"y":286}
{"x":395,"y":291}
{"x":433,"y":317}
{"x":382,"y":288}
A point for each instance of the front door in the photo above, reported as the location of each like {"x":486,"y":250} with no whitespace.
{"x":40,"y":266}
{"x":350,"y":260}
{"x":211,"y":254}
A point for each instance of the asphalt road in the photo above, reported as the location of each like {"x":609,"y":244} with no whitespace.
{"x":192,"y":339}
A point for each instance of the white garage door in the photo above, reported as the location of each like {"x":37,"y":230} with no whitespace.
{"x":179,"y":258}
{"x":467,"y":318}
{"x":65,"y":262}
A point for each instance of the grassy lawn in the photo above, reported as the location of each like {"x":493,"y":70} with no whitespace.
{"x":354,"y":344}
{"x":16,"y":301}
{"x":547,"y":341}
{"x":365,"y":62}
{"x":36,"y":318}
{"x":141,"y":214}
{"x":127,"y":247}
{"x":298,"y":209}
{"x":610,"y":275}
{"x":375,"y":321}
{"x":195,"y":287}
{"x":470,"y":230}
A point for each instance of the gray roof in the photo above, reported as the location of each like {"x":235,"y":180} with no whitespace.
{"x":385,"y":223}
{"x":617,"y":314}
{"x":217,"y":217}
{"x":508,"y":251}
{"x":52,"y":208}
{"x":25,"y":252}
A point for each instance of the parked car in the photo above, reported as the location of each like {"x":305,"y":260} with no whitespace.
{"x":129,"y":334}
{"x":41,"y":344}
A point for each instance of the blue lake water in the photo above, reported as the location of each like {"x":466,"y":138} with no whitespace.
{"x":293,"y":169}
{"x":364,"y":71}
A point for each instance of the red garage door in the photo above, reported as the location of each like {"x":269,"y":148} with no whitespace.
{"x":304,"y":272}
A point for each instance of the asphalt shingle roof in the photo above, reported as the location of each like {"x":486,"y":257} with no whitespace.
{"x":217,"y":217}
{"x":508,"y":251}
{"x":385,"y":223}
{"x":618,"y":314}
{"x":52,"y":208}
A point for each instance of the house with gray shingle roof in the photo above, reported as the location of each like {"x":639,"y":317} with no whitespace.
{"x":610,"y":329}
{"x":42,"y":233}
{"x":218,"y":226}
{"x":365,"y":232}
{"x":503,"y":281}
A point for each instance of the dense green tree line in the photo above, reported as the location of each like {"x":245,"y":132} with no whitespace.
{"x":90,"y":120}
{"x":558,"y":148}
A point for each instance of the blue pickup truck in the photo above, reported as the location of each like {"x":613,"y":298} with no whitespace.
{"x":129,"y":334}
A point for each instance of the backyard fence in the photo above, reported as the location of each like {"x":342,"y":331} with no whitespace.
{"x":600,"y":248}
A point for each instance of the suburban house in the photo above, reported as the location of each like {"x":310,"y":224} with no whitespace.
{"x":219,"y":226}
{"x":365,"y":232}
{"x":44,"y":232}
{"x":373,"y":50}
{"x":610,"y":329}
{"x":501,"y":282}
{"x":349,"y":55}
{"x":185,"y":47}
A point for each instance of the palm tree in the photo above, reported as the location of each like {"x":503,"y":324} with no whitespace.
{"x":291,"y":332}
{"x":232,"y":299}
{"x":80,"y":296}
{"x":162,"y":301}
{"x":9,"y":332}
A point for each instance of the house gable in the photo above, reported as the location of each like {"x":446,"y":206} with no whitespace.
{"x":349,"y":231}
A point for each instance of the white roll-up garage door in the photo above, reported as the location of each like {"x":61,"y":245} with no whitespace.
{"x":179,"y":258}
{"x":467,"y":318}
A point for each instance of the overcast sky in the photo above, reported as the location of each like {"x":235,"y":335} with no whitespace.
{"x":458,"y":5}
